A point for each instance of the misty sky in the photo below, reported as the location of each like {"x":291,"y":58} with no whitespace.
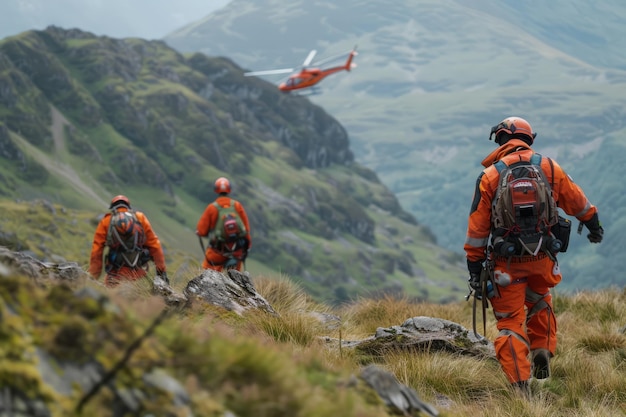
{"x":148,"y":19}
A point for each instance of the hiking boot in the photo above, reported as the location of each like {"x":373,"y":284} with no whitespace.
{"x":541,"y":363}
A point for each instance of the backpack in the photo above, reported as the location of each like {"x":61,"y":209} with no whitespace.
{"x":523,"y":210}
{"x":229,"y":229}
{"x":125,"y":239}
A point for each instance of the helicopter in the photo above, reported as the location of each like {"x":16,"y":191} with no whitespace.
{"x":307,"y":76}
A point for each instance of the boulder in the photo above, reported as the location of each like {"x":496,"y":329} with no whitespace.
{"x":25,"y":264}
{"x":425,"y":334}
{"x":231,"y":290}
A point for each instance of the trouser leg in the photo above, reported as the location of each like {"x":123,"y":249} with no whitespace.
{"x":511,"y":344}
{"x":541,"y":321}
{"x":541,"y":329}
{"x":526,"y":318}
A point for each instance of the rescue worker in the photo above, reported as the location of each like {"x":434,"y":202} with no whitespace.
{"x":523,"y":309}
{"x":125,"y":263}
{"x":221,"y":255}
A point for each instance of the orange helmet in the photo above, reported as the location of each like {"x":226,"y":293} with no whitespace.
{"x":120,"y":200}
{"x":513,"y":127}
{"x":222,"y":186}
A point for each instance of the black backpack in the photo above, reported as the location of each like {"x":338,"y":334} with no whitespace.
{"x":523,"y":210}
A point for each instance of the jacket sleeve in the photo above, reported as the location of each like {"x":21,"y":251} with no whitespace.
{"x":207,"y":221}
{"x":97,"y":248}
{"x":244,"y":218}
{"x":152,"y":243}
{"x":570,"y":197}
{"x":479,"y":221}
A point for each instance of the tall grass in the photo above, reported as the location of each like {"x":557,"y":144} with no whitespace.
{"x":588,"y":371}
{"x":293,"y":364}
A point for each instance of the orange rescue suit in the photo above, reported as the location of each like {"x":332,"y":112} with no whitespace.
{"x":214,"y":258}
{"x":114,"y":276}
{"x":523,"y":309}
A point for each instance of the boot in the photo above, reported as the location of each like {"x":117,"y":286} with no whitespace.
{"x":541,"y":363}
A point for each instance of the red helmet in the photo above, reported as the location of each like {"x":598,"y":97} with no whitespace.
{"x":120,"y":200}
{"x":222,"y":186}
{"x":513,"y":127}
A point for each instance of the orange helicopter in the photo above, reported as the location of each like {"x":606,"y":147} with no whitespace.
{"x":308,"y":76}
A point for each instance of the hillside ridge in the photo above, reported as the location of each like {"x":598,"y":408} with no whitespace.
{"x":126,"y":116}
{"x":420,"y":105}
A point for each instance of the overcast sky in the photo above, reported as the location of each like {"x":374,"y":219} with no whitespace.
{"x":148,"y":19}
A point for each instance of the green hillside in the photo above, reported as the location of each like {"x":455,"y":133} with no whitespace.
{"x":83,"y":118}
{"x":433,"y":77}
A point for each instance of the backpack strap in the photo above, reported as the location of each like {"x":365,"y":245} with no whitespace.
{"x":110,"y":229}
{"x":500,"y":166}
{"x":536,"y":159}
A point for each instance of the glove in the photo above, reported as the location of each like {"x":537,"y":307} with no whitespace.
{"x":163,"y":276}
{"x":474,"y":268}
{"x":595,"y":229}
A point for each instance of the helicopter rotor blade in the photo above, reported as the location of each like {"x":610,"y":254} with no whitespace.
{"x":334,"y":57}
{"x":269,"y":72}
{"x":309,"y":58}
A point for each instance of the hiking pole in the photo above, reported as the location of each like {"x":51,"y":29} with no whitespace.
{"x":474,"y":317}
{"x":467,"y":297}
{"x":483,"y":302}
{"x":485,"y":280}
{"x":202,"y":245}
{"x":474,"y":307}
{"x":488,"y":287}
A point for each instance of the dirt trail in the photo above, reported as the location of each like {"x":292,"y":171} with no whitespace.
{"x":55,"y":166}
{"x":58,"y":123}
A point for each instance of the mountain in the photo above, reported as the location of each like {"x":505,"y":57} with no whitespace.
{"x":434,"y":76}
{"x":84,"y":118}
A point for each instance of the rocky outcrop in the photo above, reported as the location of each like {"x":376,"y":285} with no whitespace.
{"x":311,"y":133}
{"x":24,"y":264}
{"x":424,"y":334}
{"x":232,"y":290}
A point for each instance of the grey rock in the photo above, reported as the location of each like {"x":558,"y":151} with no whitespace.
{"x":25,"y":263}
{"x":426,"y":334}
{"x":161,"y":380}
{"x":398,"y":397}
{"x":232,"y":290}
